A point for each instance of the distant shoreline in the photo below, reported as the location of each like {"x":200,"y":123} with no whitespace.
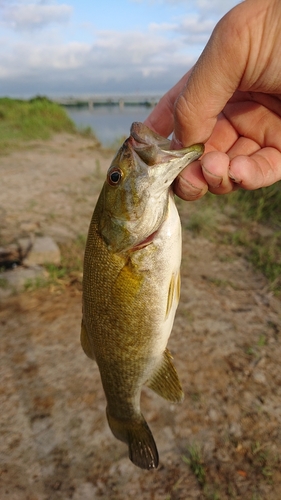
{"x":121,"y":101}
{"x":148,"y":99}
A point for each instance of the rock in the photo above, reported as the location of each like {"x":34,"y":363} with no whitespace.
{"x":87,"y":491}
{"x":235,"y":430}
{"x":30,"y":251}
{"x":9,"y":255}
{"x":214,"y":415}
{"x":44,"y":250}
{"x":25,"y":245}
{"x":17,"y":279}
{"x":259,"y":377}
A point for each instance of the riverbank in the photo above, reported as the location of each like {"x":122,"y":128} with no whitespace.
{"x":223,"y":442}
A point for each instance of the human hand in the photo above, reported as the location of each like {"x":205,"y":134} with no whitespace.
{"x":231,"y":100}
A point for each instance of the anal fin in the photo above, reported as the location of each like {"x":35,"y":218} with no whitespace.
{"x":165,"y":380}
{"x":85,"y":342}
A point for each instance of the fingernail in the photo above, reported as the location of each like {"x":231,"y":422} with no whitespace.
{"x":233,"y":178}
{"x":187,"y":190}
{"x":175,"y":143}
{"x":212,"y":179}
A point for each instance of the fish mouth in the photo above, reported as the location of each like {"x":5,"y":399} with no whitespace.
{"x":141,"y":134}
{"x":154,"y":150}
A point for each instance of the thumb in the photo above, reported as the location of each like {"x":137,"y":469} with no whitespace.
{"x":214,"y":79}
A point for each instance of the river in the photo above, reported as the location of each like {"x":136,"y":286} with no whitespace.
{"x":108,"y":123}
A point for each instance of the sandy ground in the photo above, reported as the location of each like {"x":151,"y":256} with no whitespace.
{"x":222,"y":442}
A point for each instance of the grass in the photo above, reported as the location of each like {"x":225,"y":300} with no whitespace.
{"x":36,"y":283}
{"x":258,"y":210}
{"x":38,"y":118}
{"x":3,"y":282}
{"x":263,"y":461}
{"x":196,"y":463}
{"x":263,"y":465}
{"x":257,"y":226}
{"x":261,"y":205}
{"x":68,"y":272}
{"x":265,"y":255}
{"x":194,"y":459}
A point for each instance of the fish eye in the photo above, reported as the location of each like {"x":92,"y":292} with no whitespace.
{"x":114,"y":176}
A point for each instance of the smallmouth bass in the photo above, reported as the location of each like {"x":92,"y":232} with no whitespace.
{"x":131,"y":283}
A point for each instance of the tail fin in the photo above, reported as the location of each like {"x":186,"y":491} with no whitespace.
{"x":136,"y":433}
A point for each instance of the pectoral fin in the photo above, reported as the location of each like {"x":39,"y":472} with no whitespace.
{"x":173,"y":292}
{"x":85,"y":342}
{"x":165,"y":381}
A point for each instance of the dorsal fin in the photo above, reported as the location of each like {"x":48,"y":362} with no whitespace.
{"x":165,"y":380}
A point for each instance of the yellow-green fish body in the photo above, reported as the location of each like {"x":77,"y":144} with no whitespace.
{"x":131,"y":283}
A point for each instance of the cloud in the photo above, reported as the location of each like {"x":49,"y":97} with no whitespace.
{"x":195,"y":31}
{"x":40,"y":58}
{"x":192,"y":30}
{"x":130,"y":60}
{"x":215,"y":8}
{"x":29,"y":16}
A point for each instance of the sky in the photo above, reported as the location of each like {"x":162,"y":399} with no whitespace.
{"x":63,"y":48}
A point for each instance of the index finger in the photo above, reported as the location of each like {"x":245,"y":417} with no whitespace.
{"x":161,"y":119}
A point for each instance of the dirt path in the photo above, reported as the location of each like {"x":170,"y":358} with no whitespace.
{"x":223,"y":442}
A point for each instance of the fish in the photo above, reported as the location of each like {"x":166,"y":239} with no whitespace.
{"x":131,"y":283}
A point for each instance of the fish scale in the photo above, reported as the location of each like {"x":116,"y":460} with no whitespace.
{"x":131,"y":284}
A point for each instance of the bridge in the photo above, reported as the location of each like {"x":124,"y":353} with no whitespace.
{"x":105,"y":100}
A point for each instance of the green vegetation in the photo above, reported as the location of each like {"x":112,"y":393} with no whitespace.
{"x":259,"y":218}
{"x":203,"y":221}
{"x":262,"y":461}
{"x":196,"y":464}
{"x":256,"y":219}
{"x":69,"y":272}
{"x":261,"y":205}
{"x":3,"y":282}
{"x":38,"y":118}
{"x":194,"y":459}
